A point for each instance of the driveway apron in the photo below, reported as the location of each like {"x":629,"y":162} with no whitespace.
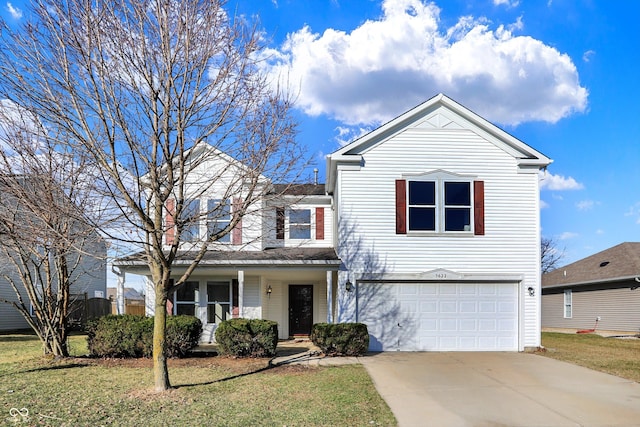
{"x":500,"y":389}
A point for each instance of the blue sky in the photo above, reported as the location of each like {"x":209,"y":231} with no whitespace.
{"x":561,"y":75}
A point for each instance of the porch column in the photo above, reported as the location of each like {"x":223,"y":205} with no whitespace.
{"x":329,"y":297}
{"x":240,"y":293}
{"x":120,"y":275}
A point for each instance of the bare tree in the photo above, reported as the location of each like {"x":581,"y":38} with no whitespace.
{"x":47,"y":247}
{"x":148,"y":91}
{"x":550,"y":255}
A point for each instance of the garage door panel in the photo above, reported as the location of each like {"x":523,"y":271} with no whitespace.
{"x":468,"y":307}
{"x":468,"y":325}
{"x":448,"y":307}
{"x":428,"y":307}
{"x":441,"y":316}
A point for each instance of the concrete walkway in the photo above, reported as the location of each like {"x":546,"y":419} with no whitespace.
{"x":500,"y":389}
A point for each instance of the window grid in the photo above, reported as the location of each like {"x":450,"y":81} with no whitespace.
{"x":440,"y":205}
{"x":568,"y":304}
{"x":300,"y":224}
{"x":218,"y":218}
{"x":185,"y":299}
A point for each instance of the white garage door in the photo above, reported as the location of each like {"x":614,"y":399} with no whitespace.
{"x":439,"y":316}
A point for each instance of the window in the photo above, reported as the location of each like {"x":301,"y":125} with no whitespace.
{"x":191,"y":218}
{"x":218,"y":301}
{"x":440,"y":206}
{"x":218,"y":218}
{"x":300,"y":223}
{"x":186,"y":299}
{"x":440,"y":202}
{"x":568,"y":306}
{"x":422,"y":205}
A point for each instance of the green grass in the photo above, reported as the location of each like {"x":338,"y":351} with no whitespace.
{"x":620,"y":357}
{"x":208,"y":391}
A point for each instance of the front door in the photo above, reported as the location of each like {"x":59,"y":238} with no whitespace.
{"x":300,"y":309}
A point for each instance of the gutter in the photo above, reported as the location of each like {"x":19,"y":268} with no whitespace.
{"x":635,"y":277}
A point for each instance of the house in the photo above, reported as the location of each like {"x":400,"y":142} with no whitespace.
{"x":603,"y":287}
{"x":439,"y":232}
{"x":87,"y":262}
{"x":427,"y":230}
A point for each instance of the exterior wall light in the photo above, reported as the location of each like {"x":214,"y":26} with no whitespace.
{"x":269,"y":290}
{"x":532,"y":291}
{"x":348,"y":286}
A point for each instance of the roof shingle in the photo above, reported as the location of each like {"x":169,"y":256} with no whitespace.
{"x":618,"y":262}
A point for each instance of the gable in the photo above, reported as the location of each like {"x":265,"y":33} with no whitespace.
{"x":439,"y":114}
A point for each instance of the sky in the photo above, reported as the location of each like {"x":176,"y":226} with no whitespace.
{"x":560,"y":75}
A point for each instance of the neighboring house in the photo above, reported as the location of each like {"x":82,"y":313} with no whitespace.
{"x":604,"y":286}
{"x":88,"y":277}
{"x":428,"y":231}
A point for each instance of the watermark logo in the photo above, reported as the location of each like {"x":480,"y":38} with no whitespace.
{"x":19,"y":415}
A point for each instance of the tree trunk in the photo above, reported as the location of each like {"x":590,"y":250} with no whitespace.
{"x":160,"y":370}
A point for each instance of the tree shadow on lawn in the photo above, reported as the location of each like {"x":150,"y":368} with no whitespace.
{"x":297,"y":353}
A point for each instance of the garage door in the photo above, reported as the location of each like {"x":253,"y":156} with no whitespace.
{"x":439,"y":316}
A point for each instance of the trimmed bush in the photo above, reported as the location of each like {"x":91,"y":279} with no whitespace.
{"x":341,"y":339}
{"x":247,"y":337}
{"x":132,"y":336}
{"x":183,"y":334}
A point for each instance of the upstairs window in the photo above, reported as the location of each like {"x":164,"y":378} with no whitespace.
{"x":440,"y":203}
{"x":218,"y":218}
{"x":191,"y":218}
{"x":422,"y":205}
{"x":300,"y":223}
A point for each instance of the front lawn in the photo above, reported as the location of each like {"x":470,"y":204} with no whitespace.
{"x":620,"y":357}
{"x":209,"y":391}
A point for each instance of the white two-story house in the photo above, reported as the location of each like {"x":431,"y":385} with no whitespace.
{"x":427,"y":230}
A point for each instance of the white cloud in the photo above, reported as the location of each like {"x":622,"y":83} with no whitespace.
{"x":549,"y":181}
{"x":16,"y":13}
{"x":600,"y":231}
{"x":508,"y":3}
{"x":586,"y":57}
{"x":568,"y":235}
{"x":348,"y":134}
{"x":586,"y":205}
{"x":375,"y":72}
{"x":543,"y":204}
{"x":634,"y":211}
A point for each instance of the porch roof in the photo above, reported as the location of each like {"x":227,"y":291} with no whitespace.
{"x":274,"y":257}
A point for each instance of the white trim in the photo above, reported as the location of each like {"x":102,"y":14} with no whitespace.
{"x":240,"y":294}
{"x":567,"y":306}
{"x":441,"y":275}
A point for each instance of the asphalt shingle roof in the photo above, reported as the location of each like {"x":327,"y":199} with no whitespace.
{"x":618,"y":262}
{"x":276,"y":255}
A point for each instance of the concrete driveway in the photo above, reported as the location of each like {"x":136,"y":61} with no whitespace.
{"x":500,"y":389}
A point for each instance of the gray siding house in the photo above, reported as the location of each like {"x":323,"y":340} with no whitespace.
{"x":603,"y":287}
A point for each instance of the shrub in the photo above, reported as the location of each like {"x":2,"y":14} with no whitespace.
{"x":247,"y":337}
{"x":132,"y":336}
{"x":183,"y":334}
{"x":341,"y":339}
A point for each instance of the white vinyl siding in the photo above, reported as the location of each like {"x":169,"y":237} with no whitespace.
{"x":511,"y":241}
{"x":616,"y":305}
